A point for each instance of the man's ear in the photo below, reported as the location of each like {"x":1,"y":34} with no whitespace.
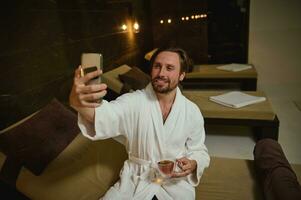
{"x":182,"y":76}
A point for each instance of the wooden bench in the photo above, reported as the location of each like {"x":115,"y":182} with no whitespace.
{"x":208,"y":76}
{"x":260,"y":117}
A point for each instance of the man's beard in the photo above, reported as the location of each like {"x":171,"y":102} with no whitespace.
{"x":168,"y":87}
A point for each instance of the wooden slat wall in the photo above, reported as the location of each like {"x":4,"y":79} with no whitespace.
{"x":41,"y":46}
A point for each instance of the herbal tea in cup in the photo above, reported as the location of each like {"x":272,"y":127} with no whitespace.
{"x":166,"y":167}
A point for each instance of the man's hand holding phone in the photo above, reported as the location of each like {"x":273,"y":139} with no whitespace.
{"x":84,"y":94}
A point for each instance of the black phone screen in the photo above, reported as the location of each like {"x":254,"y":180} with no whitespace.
{"x":89,"y":69}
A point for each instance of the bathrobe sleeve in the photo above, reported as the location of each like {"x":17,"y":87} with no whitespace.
{"x":196,"y":147}
{"x":112,"y":119}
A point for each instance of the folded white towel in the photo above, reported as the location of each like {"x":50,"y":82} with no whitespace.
{"x":236,"y":99}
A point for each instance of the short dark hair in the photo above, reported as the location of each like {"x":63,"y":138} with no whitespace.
{"x":185,"y":61}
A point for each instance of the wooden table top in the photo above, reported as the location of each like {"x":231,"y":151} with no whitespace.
{"x":210,"y":109}
{"x":210,"y":71}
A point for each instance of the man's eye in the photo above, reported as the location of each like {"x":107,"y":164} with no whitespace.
{"x":156,"y":66}
{"x":170,"y":68}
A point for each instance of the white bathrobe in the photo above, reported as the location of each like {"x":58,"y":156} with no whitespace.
{"x":137,"y":116}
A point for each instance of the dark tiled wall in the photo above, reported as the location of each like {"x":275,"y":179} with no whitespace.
{"x":220,"y":37}
{"x":42,"y":42}
{"x":191,"y":35}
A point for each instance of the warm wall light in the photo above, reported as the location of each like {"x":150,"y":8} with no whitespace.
{"x":192,"y":16}
{"x":169,"y":21}
{"x":124,"y":27}
{"x":187,"y":18}
{"x":161,"y":21}
{"x":183,"y":18}
{"x":136,"y":27}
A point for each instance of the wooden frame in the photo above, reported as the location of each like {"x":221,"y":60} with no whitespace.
{"x":261,"y":128}
{"x":209,"y":77}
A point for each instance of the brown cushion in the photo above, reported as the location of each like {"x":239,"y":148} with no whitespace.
{"x":134,"y":79}
{"x":276,"y":176}
{"x":38,"y":140}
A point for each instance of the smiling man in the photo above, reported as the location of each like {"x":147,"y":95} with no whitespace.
{"x":158,"y":122}
{"x":166,"y":72}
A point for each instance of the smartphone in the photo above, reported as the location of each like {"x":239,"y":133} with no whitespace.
{"x":91,"y":62}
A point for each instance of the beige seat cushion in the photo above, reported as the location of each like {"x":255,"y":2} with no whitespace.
{"x":111,"y":78}
{"x":229,"y":179}
{"x":84,"y":170}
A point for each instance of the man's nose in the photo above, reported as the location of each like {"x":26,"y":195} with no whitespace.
{"x":162,"y":71}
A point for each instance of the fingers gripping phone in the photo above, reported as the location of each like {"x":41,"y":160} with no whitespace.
{"x":91,"y":62}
